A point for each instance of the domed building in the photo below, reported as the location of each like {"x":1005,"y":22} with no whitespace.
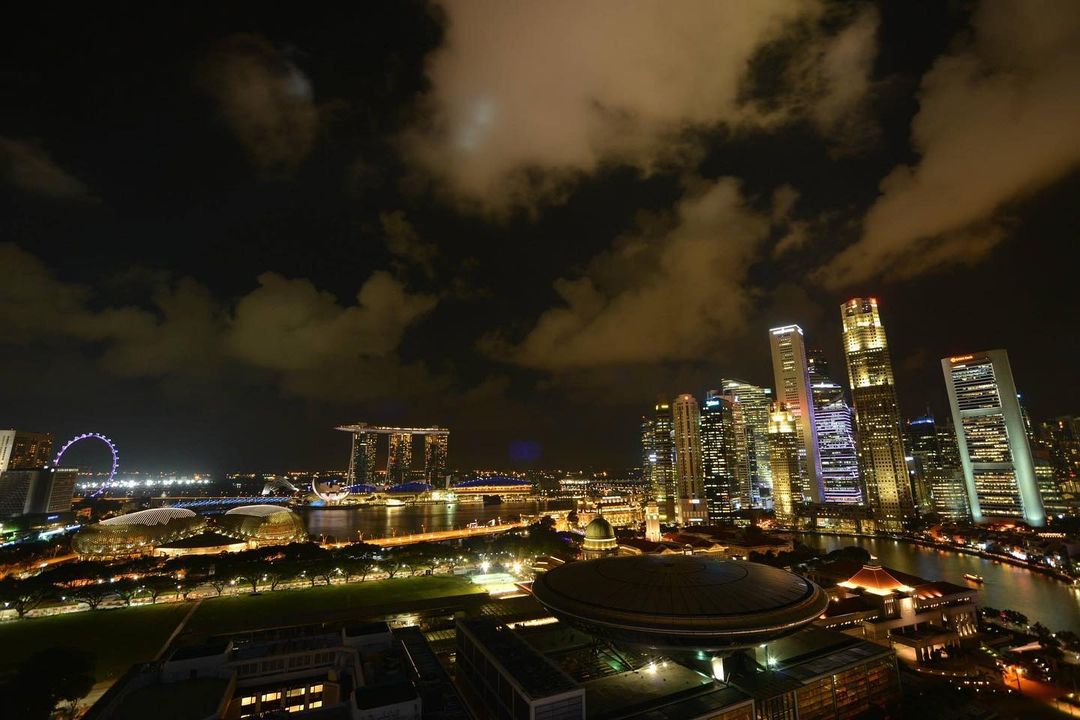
{"x":136,"y":533}
{"x":599,"y":539}
{"x":263,"y":525}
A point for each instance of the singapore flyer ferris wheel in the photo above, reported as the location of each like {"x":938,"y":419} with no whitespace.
{"x":92,"y":436}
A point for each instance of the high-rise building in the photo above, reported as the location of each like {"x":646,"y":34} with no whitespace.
{"x":44,"y":490}
{"x":936,"y":463}
{"x":648,"y":457}
{"x":992,"y":438}
{"x":362,"y":459}
{"x":399,"y":458}
{"x":664,"y":464}
{"x":877,"y":416}
{"x":754,"y":402}
{"x":726,"y":479}
{"x":1053,"y":500}
{"x":22,"y":450}
{"x":791,"y":374}
{"x":435,"y":458}
{"x":835,"y":425}
{"x":784,"y":451}
{"x":1061,"y":437}
{"x":689,"y":479}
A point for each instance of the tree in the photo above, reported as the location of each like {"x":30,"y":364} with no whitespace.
{"x":44,"y":679}
{"x":126,"y":589}
{"x":156,"y":585}
{"x":281,"y":571}
{"x":93,"y":594}
{"x":24,"y":595}
{"x":358,"y":566}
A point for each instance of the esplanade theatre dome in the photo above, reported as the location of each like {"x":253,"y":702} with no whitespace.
{"x":680,"y":601}
{"x":136,"y":532}
{"x":269,"y":524}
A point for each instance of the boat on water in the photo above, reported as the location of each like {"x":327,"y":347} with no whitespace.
{"x":395,"y":502}
{"x":973,"y":578}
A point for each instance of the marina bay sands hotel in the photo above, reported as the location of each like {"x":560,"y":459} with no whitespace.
{"x":399,"y":453}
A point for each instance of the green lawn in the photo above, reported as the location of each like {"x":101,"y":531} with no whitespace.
{"x":325,"y":603}
{"x":116,"y":638}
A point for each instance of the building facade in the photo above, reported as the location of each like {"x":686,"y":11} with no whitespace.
{"x":784,"y":451}
{"x":992,"y":438}
{"x":835,"y":425}
{"x":22,"y":450}
{"x":754,"y":402}
{"x":362,"y":459}
{"x":435,"y":450}
{"x":880,"y":443}
{"x":32,"y":492}
{"x":664,"y":461}
{"x":792,"y":377}
{"x":690,"y":504}
{"x":726,"y":476}
{"x":936,"y":463}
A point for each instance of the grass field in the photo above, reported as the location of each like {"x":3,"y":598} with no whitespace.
{"x":324,"y":603}
{"x":116,"y":638}
{"x":121,"y":638}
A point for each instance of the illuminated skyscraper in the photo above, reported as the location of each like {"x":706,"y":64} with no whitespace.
{"x":362,"y":459}
{"x":726,"y":479}
{"x":689,"y":480}
{"x":754,"y":402}
{"x":877,"y":416}
{"x":792,"y":377}
{"x":38,"y":491}
{"x":937,"y":463}
{"x":784,"y":451}
{"x":992,"y":438}
{"x":648,"y":457}
{"x":835,"y":425}
{"x":21,"y":450}
{"x":399,"y":458}
{"x":664,"y":463}
{"x":435,"y":458}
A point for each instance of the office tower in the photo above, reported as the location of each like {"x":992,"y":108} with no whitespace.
{"x":754,"y":402}
{"x":937,"y":465}
{"x":992,"y":438}
{"x":648,"y":457}
{"x":22,"y":450}
{"x":652,"y":522}
{"x":877,"y":415}
{"x":1053,"y":500}
{"x":726,"y":480}
{"x":689,"y":481}
{"x":664,"y":465}
{"x":435,"y":458}
{"x":1061,"y":437}
{"x":362,"y":459}
{"x":835,"y":426}
{"x":399,"y":458}
{"x":784,"y":451}
{"x":791,"y":374}
{"x":28,"y":492}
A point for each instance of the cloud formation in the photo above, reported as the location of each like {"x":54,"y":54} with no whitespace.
{"x":28,"y":167}
{"x":670,"y":292}
{"x":286,"y":330}
{"x":997,"y":121}
{"x":528,"y":96}
{"x":265,"y":99}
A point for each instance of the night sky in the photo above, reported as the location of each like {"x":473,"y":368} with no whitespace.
{"x":224,"y":232}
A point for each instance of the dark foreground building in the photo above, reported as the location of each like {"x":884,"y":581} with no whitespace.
{"x":645,"y":638}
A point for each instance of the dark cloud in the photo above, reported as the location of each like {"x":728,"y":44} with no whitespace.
{"x":286,"y":331}
{"x":264,"y":98}
{"x":406,"y":245}
{"x":27,"y":166}
{"x":998,"y":118}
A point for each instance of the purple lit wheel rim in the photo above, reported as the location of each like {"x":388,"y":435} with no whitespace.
{"x":94,"y":436}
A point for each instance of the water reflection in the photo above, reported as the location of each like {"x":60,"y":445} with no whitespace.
{"x":1041,"y":598}
{"x":350,"y":523}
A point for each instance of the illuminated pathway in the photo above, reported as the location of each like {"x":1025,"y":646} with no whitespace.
{"x":442,"y":535}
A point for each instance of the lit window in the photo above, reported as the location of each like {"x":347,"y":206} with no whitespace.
{"x":314,"y":704}
{"x":294,"y":692}
{"x":296,"y":708}
{"x":271,"y":696}
{"x":315,"y":688}
{"x":249,"y":700}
